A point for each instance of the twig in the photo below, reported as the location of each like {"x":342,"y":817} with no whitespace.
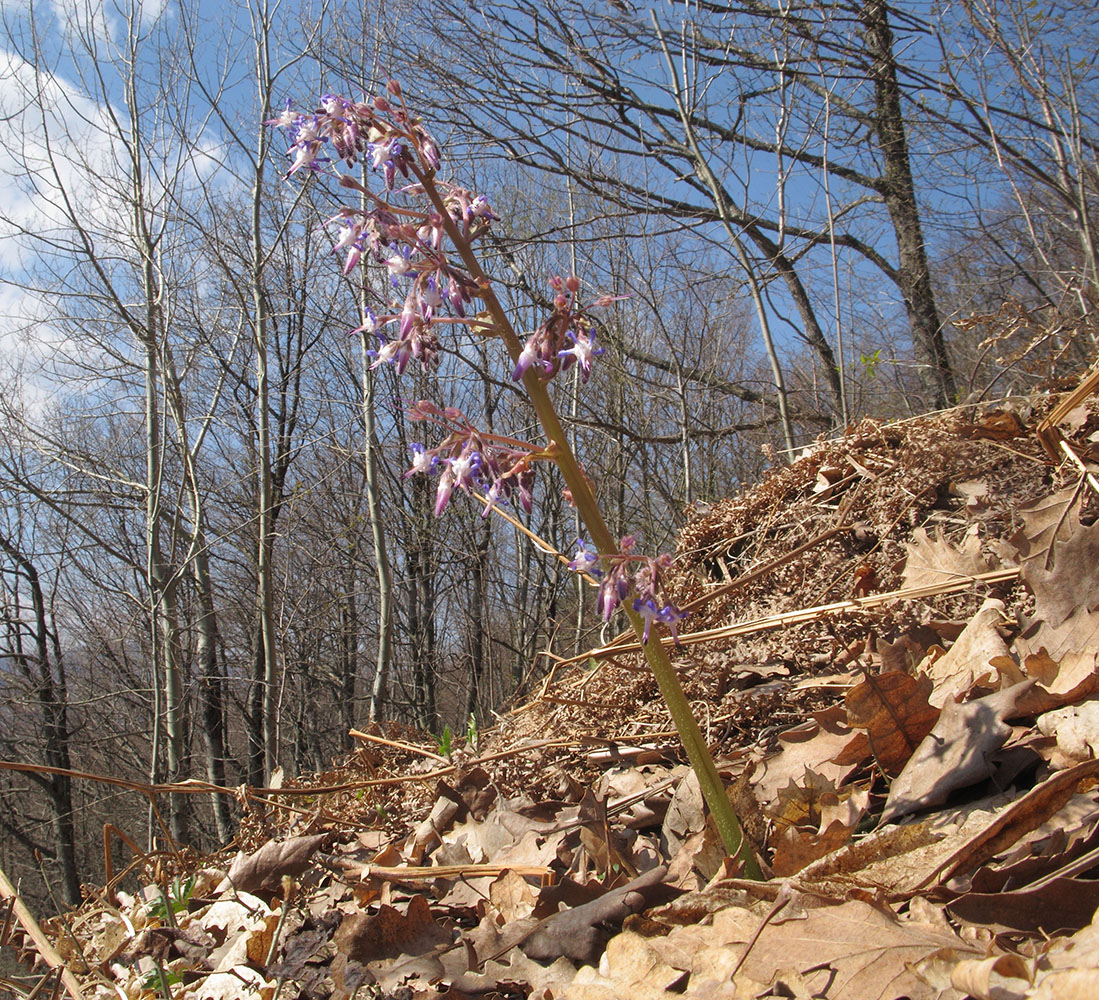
{"x":41,"y":942}
{"x":397,"y":745}
{"x":808,"y":614}
{"x":1076,"y":460}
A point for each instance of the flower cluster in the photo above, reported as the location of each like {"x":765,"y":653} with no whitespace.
{"x":565,"y":338}
{"x":471,"y":460}
{"x":624,"y":572}
{"x":407,"y":242}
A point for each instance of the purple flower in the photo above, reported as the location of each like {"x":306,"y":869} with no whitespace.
{"x":530,"y":355}
{"x":612,"y":591}
{"x":445,"y":489}
{"x":423,"y":461}
{"x":586,"y":560}
{"x":582,"y":351}
{"x":465,"y":467}
{"x":668,"y":615}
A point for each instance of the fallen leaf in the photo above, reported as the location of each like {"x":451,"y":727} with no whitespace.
{"x":800,"y":803}
{"x":367,"y":937}
{"x":262,"y":870}
{"x":605,"y":846}
{"x":1024,"y":815}
{"x":1062,"y":659}
{"x":1045,"y":522}
{"x":1059,"y":558}
{"x":795,"y":849}
{"x":955,"y":754}
{"x":1000,"y":977}
{"x":231,"y":985}
{"x":814,"y":746}
{"x":968,"y":661}
{"x":894,"y":710}
{"x":932,"y":562}
{"x":1076,"y":729}
{"x":428,"y":835}
{"x":850,"y":950}
{"x":581,"y":933}
{"x":686,"y":814}
{"x":1053,"y":905}
{"x":512,"y":896}
{"x":996,"y":425}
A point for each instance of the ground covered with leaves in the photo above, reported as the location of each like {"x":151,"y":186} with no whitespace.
{"x":892,"y":650}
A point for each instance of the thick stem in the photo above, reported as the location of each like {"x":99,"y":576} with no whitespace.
{"x":698,"y":753}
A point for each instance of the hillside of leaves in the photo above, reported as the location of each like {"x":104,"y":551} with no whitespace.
{"x":891,"y":648}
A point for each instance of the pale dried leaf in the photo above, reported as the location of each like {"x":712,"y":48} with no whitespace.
{"x":581,"y":933}
{"x":850,"y":950}
{"x":1064,"y":578}
{"x":231,"y":914}
{"x":969,"y":659}
{"x":1001,"y":977}
{"x":1061,"y":658}
{"x":811,"y":746}
{"x":686,"y":814}
{"x":955,"y":754}
{"x":512,"y":896}
{"x":935,"y":561}
{"x":1067,"y":984}
{"x":1076,"y":729}
{"x":795,"y":849}
{"x":241,"y":983}
{"x":1046,"y":523}
{"x":368,"y":937}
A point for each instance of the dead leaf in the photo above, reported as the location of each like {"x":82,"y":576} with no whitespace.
{"x":580,"y":934}
{"x":968,"y":661}
{"x":996,"y":425}
{"x":894,"y":710}
{"x":604,"y":845}
{"x":1053,"y":905}
{"x":512,"y":896}
{"x":906,"y":652}
{"x":933,"y":562}
{"x":1001,"y":977}
{"x":1020,"y":818}
{"x":955,"y":754}
{"x":427,"y":836}
{"x":795,"y":849}
{"x":262,"y":870}
{"x":814,"y":745}
{"x":367,"y":937}
{"x":850,"y":950}
{"x":800,"y":804}
{"x":1062,"y":659}
{"x":231,"y":985}
{"x":1046,"y":522}
{"x":1060,"y":562}
{"x":1076,"y":729}
{"x":686,"y":814}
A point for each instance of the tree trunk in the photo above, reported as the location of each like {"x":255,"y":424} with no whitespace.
{"x":52,"y":696}
{"x":379,"y":688}
{"x":899,"y":191}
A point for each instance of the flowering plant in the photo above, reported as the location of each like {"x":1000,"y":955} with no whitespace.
{"x":422,"y":233}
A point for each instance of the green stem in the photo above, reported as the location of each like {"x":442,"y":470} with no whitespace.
{"x":698,"y":753}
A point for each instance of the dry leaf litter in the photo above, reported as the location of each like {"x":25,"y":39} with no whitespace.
{"x":892,"y":651}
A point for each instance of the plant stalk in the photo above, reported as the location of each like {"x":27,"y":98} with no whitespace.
{"x":698,"y":753}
